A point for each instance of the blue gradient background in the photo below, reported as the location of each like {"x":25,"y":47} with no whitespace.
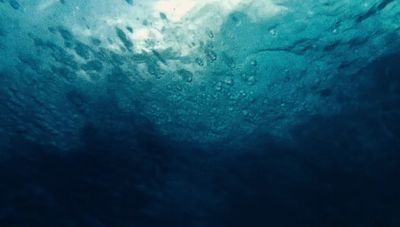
{"x":288,"y":120}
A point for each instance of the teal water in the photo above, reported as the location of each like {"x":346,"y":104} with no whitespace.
{"x":199,"y":113}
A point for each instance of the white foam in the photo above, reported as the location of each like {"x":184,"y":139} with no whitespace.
{"x":187,"y":20}
{"x":180,"y":10}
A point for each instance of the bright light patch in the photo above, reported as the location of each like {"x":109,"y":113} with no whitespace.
{"x":190,"y":19}
{"x":177,"y":24}
{"x":176,"y":9}
{"x":141,"y":34}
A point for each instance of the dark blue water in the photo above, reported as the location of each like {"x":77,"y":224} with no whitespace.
{"x":290,"y":119}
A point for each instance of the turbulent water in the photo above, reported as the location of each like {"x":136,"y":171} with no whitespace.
{"x":199,"y":113}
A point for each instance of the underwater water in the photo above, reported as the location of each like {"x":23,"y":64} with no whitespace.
{"x":131,"y":113}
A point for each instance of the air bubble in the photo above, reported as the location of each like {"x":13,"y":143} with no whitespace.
{"x":200,"y":61}
{"x":251,"y":80}
{"x":229,"y":81}
{"x":186,"y":75}
{"x":210,"y":34}
{"x":211,"y":55}
{"x":218,"y":86}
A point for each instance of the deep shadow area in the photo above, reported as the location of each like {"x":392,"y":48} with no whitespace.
{"x":342,"y":171}
{"x":105,"y":183}
{"x":339,"y":171}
